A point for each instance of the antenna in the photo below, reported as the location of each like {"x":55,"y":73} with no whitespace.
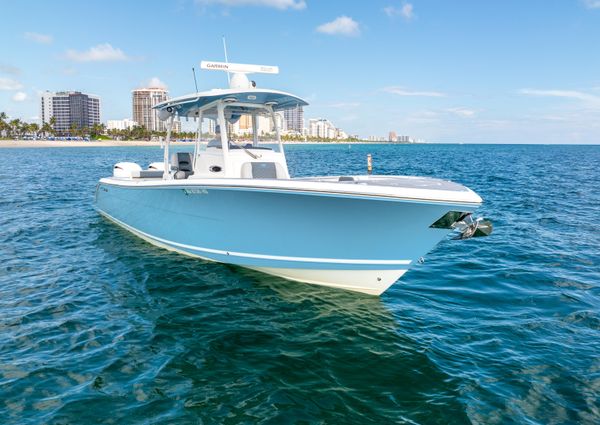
{"x":226,"y":60}
{"x":195,"y":82}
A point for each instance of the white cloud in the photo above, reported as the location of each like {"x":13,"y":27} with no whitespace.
{"x":9,"y":84}
{"x":400,"y":91}
{"x":38,"y":38}
{"x":592,"y":4}
{"x":462,"y":112}
{"x":342,"y":25}
{"x":406,"y":11}
{"x":19,"y":96}
{"x":99,"y":53}
{"x":277,"y":4}
{"x":155,"y":82}
{"x":569,"y":94}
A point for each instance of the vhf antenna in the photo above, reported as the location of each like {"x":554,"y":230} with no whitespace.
{"x":226,"y":60}
{"x":195,"y":82}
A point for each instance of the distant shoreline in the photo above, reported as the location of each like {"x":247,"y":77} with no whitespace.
{"x":77,"y":143}
{"x":125,"y":143}
{"x":142,"y":143}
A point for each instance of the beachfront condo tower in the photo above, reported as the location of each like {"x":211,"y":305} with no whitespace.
{"x":294,"y":119}
{"x":143,"y":100}
{"x":70,"y":109}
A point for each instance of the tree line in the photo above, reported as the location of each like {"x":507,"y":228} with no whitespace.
{"x":15,"y":128}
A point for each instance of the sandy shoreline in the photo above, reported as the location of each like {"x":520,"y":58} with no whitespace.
{"x":120,"y":143}
{"x":78,"y":144}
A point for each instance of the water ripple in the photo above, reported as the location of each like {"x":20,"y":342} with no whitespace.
{"x":98,"y":326}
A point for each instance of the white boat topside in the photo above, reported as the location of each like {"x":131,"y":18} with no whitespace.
{"x":420,"y":189}
{"x":414,"y":182}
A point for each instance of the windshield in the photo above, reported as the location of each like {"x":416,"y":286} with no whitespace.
{"x":253,"y":130}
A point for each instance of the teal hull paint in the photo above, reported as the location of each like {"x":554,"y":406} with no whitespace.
{"x":263,"y":228}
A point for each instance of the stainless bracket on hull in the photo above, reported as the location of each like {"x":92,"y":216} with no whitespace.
{"x":467,"y":226}
{"x":470,"y":227}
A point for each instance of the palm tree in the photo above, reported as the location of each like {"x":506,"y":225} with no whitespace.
{"x":138,"y":133}
{"x":15,"y":127}
{"x":34,"y":128}
{"x":97,"y":130}
{"x":46,"y":129}
{"x":52,"y":125}
{"x":3,"y":125}
{"x":73,"y":129}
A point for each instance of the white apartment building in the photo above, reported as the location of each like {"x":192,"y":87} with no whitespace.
{"x":341,"y":134}
{"x":324,"y":129}
{"x":124,"y":124}
{"x":210,"y":126}
{"x":281,"y":122}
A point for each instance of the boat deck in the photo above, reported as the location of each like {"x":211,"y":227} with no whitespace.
{"x":408,"y":182}
{"x":387,"y":187}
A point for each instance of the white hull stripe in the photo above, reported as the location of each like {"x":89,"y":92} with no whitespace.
{"x":258,"y":256}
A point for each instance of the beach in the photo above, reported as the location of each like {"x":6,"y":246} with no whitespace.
{"x":79,"y":143}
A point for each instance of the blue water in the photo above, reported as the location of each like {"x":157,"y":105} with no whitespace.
{"x":96,"y":326}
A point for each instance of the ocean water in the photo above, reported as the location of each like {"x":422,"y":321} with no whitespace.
{"x":97,"y":326}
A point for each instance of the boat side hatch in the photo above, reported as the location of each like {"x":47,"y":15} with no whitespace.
{"x":262,"y":170}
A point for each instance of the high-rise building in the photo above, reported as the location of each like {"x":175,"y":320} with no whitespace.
{"x":264,"y":125}
{"x":280,"y":121}
{"x":294,"y":119}
{"x":392,"y":136}
{"x":211,"y":126}
{"x":245,"y":124}
{"x":142,"y":102}
{"x":70,"y":109}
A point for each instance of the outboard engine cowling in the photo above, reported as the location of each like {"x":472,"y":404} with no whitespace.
{"x":157,"y":166}
{"x":126,"y":169}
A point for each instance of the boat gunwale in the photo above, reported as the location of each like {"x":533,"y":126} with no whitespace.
{"x":245,"y":184}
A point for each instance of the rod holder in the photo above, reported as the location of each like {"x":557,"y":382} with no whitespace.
{"x":369,"y":164}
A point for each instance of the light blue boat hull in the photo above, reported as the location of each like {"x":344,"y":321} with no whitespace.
{"x":283,"y":233}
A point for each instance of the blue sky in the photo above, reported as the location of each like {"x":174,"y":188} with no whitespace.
{"x":446,"y":71}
